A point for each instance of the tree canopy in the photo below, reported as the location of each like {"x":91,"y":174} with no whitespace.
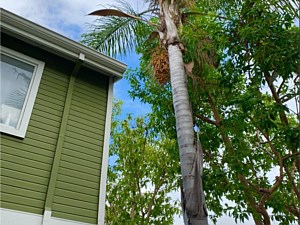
{"x":242,"y":67}
{"x":143,"y":175}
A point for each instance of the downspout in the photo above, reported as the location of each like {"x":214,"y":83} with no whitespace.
{"x":60,"y":141}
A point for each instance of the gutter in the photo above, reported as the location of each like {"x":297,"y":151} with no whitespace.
{"x":44,"y":38}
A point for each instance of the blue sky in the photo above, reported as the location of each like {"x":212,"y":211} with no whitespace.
{"x":69,"y":18}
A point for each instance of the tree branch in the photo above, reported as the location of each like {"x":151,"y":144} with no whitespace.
{"x":156,"y":189}
{"x":281,"y":85}
{"x":206,"y":119}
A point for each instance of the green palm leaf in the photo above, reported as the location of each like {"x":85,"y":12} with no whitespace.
{"x":114,"y":33}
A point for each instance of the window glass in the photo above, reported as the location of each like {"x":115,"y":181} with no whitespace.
{"x":15,"y":82}
{"x":19,"y":82}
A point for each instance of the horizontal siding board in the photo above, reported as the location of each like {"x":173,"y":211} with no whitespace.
{"x":54,"y":83}
{"x":79,"y":174}
{"x":39,"y":124}
{"x":50,"y":105}
{"x":25,"y":176}
{"x":70,"y":216}
{"x":89,"y":111}
{"x":92,"y":81}
{"x":99,"y":130}
{"x":11,"y":146}
{"x":82,"y":162}
{"x":20,"y":191}
{"x":75,"y":210}
{"x":46,"y":115}
{"x":41,"y":138}
{"x":42,"y":131}
{"x":25,"y":143}
{"x":52,"y":74}
{"x":97,"y":142}
{"x":80,"y":155}
{"x":52,"y":94}
{"x":21,"y":200}
{"x":101,"y":100}
{"x":91,"y":87}
{"x":76,"y":188}
{"x":73,"y":180}
{"x":24,"y":208}
{"x":79,"y":118}
{"x":44,"y":96}
{"x":99,"y":106}
{"x":97,"y":121}
{"x":25,"y":162}
{"x":98,"y":134}
{"x":44,"y":120}
{"x":48,"y":110}
{"x":82,"y":149}
{"x":80,"y":168}
{"x":82,"y":144}
{"x":24,"y":184}
{"x":77,"y":196}
{"x":72,"y":202}
{"x":27,"y":155}
{"x":90,"y":130}
{"x":52,"y":87}
{"x":21,"y":168}
{"x":96,"y":97}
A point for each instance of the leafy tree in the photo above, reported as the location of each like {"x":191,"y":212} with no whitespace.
{"x":242,"y":65}
{"x":142,"y":177}
{"x":242,"y":60}
{"x":115,"y":35}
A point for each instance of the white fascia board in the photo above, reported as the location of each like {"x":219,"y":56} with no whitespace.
{"x":105,"y":155}
{"x":58,"y":44}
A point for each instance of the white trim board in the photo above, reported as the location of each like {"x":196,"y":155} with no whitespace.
{"x":104,"y":166}
{"x":14,"y":217}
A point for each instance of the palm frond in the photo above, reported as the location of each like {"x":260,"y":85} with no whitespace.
{"x":290,"y":7}
{"x":114,"y":33}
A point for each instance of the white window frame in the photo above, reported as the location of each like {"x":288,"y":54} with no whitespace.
{"x":20,"y":130}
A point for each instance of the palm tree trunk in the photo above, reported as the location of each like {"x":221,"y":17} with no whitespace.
{"x":194,"y":203}
{"x":190,"y":156}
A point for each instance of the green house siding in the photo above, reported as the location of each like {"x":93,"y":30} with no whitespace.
{"x":77,"y":188}
{"x":27,"y":164}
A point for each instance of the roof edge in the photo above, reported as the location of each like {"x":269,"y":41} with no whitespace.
{"x":60,"y":44}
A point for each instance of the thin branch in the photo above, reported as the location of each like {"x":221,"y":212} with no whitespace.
{"x":291,"y":155}
{"x":283,"y":117}
{"x":281,"y":85}
{"x":291,"y":180}
{"x":206,"y":119}
{"x":156,"y":189}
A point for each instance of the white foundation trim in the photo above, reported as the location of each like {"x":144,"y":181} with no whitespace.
{"x":14,"y":217}
{"x":46,"y":217}
{"x":102,"y":193}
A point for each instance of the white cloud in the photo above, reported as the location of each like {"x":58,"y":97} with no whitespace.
{"x":67,"y":17}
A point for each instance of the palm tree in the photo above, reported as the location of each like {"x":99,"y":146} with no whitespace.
{"x":116,"y":35}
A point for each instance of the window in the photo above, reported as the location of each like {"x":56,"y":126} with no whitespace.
{"x":20,"y":78}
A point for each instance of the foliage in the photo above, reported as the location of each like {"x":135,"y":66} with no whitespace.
{"x":115,"y":35}
{"x":143,"y":175}
{"x":243,"y":82}
{"x":242,"y":66}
